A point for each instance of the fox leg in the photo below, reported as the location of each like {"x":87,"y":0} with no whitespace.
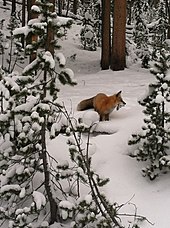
{"x":101,"y":118}
{"x":106,"y":117}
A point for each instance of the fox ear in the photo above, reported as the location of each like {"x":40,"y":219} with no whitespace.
{"x":118,"y":94}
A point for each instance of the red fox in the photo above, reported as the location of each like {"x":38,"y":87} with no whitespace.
{"x":102,"y":104}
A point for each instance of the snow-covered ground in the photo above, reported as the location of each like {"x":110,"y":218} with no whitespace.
{"x":111,"y":155}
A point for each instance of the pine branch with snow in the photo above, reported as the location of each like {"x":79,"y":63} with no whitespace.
{"x":153,"y":140}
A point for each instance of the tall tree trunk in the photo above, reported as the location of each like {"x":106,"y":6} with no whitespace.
{"x":75,"y":6}
{"x":106,"y":41}
{"x":60,"y":3}
{"x":68,"y":5}
{"x":50,"y":32}
{"x":168,"y":15}
{"x":23,"y":20}
{"x":54,"y":213}
{"x":118,"y":61}
{"x":54,"y":210}
{"x":28,"y":10}
{"x":33,"y":37}
{"x":4,"y":2}
{"x":13,"y":9}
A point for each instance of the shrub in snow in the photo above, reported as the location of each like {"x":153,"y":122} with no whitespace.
{"x":153,"y":140}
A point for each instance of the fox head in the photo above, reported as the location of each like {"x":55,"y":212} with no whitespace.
{"x":120,"y":101}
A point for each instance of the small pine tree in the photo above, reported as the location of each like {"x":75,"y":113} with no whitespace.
{"x":141,"y":33}
{"x":87,"y":33}
{"x":155,"y":134}
{"x":97,"y":20}
{"x":11,"y":51}
{"x":160,"y":27}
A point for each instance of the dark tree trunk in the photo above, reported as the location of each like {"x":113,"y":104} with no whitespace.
{"x":33,"y":37}
{"x":54,"y":213}
{"x":118,"y":61}
{"x":60,"y":3}
{"x":68,"y":5}
{"x":29,"y":2}
{"x":54,"y":210}
{"x":50,"y":33}
{"x":23,"y":20}
{"x":106,"y":40}
{"x":13,"y":9}
{"x":4,"y":2}
{"x":168,"y":15}
{"x":75,"y":6}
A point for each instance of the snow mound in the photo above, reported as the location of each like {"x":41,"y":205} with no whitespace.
{"x":90,"y":119}
{"x":105,"y":127}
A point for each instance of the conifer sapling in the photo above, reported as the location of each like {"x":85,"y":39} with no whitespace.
{"x":153,"y":140}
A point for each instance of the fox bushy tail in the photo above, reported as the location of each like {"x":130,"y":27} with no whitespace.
{"x":85,"y":104}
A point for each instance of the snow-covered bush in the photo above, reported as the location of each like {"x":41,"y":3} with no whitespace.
{"x":153,"y":140}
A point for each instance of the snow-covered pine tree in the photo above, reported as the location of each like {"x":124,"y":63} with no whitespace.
{"x":87,"y":34}
{"x":11,"y":50}
{"x":28,"y":116}
{"x":141,"y":32}
{"x":97,"y":20}
{"x":153,"y":140}
{"x":160,"y":27}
